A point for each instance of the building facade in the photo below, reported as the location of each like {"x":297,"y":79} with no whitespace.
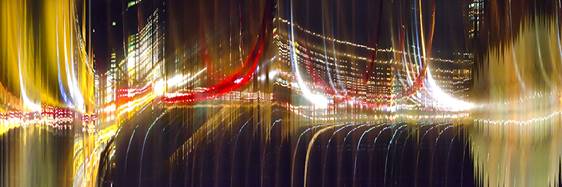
{"x":370,"y":74}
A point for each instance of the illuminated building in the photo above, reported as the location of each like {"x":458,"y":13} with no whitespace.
{"x":143,"y":44}
{"x":347,"y":68}
{"x":110,"y":81}
{"x":475,"y":14}
{"x":474,"y":19}
{"x":455,"y":77}
{"x":142,"y":63}
{"x":45,"y":63}
{"x":97,"y":91}
{"x":106,"y":89}
{"x":144,"y":53}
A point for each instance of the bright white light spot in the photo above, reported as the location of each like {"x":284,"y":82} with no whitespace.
{"x":159,"y":88}
{"x":176,"y":80}
{"x":444,"y":100}
{"x":238,"y":81}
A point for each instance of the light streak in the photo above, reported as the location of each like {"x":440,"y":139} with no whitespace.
{"x":240,"y":78}
{"x":539,"y":52}
{"x":419,"y":150}
{"x":416,"y":75}
{"x":296,"y":149}
{"x":28,"y":104}
{"x":144,"y":143}
{"x":444,"y":100}
{"x":318,"y":100}
{"x":357,"y":151}
{"x":324,"y":160}
{"x":236,"y":146}
{"x":514,"y":61}
{"x":180,"y":79}
{"x":75,"y":93}
{"x":330,"y":79}
{"x":508,"y":122}
{"x":129,"y":147}
{"x":436,"y":144}
{"x":309,"y":150}
{"x":61,"y":86}
{"x":449,"y":156}
{"x":48,"y":116}
{"x":388,"y":150}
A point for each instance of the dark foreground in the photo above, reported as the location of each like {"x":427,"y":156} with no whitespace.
{"x":239,"y":149}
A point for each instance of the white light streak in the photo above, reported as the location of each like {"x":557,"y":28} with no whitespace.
{"x":318,"y":100}
{"x":444,"y":100}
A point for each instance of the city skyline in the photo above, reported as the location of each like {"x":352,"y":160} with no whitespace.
{"x":280,"y":93}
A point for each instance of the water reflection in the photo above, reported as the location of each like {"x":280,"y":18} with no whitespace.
{"x":262,"y":145}
{"x":36,"y":155}
{"x":487,"y":153}
{"x":524,"y":154}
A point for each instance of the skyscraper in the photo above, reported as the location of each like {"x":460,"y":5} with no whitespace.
{"x":143,"y":45}
{"x":475,"y":15}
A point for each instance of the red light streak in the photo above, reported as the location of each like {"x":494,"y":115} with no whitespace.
{"x":240,"y":78}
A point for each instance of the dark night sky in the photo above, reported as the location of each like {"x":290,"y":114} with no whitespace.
{"x":450,"y":30}
{"x":357,"y":21}
{"x":353,"y":20}
{"x":106,"y":36}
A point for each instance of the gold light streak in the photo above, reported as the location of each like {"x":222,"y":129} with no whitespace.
{"x":30,"y":53}
{"x":416,"y":67}
{"x":517,"y":154}
{"x":515,"y":137}
{"x":531,"y":76}
{"x":309,"y":150}
{"x":42,"y":47}
{"x":217,"y":120}
{"x":318,"y":100}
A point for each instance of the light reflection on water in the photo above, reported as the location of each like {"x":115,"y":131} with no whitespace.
{"x":517,"y":154}
{"x":496,"y":155}
{"x":36,"y":156}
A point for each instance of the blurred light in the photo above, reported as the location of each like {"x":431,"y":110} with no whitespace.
{"x":318,"y":100}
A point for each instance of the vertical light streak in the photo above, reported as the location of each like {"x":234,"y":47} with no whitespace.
{"x":71,"y":77}
{"x":448,"y":157}
{"x":144,"y":143}
{"x":330,"y":79}
{"x":60,"y":81}
{"x":129,"y":147}
{"x":30,"y":45}
{"x":357,"y":151}
{"x":522,"y":153}
{"x":27,"y":103}
{"x":419,"y":149}
{"x":338,"y":74}
{"x":340,"y":157}
{"x":309,"y":150}
{"x":558,"y":30}
{"x":418,"y":21}
{"x":318,"y":100}
{"x":539,"y":53}
{"x":514,"y":61}
{"x":388,"y":149}
{"x":235,"y":147}
{"x":436,"y":144}
{"x":325,"y":159}
{"x":296,"y":149}
{"x":444,"y":100}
